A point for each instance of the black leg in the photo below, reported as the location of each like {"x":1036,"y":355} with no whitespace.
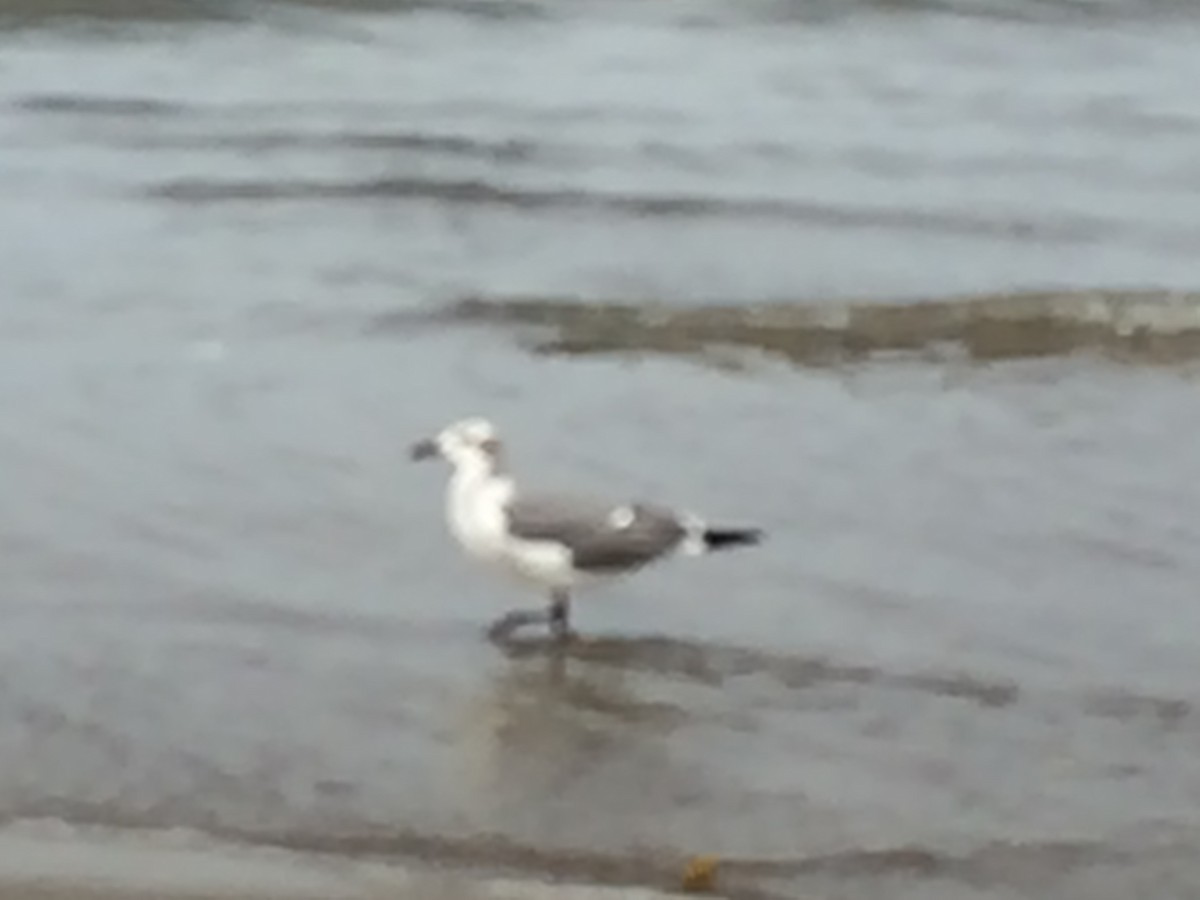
{"x":556,"y":615}
{"x":503,"y":627}
{"x":560,"y":613}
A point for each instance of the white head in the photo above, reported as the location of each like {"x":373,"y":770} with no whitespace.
{"x":471,"y":443}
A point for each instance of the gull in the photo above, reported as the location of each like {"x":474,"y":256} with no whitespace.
{"x":555,"y":542}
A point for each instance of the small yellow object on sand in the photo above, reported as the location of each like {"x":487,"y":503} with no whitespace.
{"x":700,"y":874}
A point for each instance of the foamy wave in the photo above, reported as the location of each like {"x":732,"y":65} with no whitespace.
{"x":1147,"y":326}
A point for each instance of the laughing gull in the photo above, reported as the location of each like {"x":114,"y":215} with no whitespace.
{"x":556,"y":542}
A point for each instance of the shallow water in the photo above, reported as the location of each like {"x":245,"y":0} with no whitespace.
{"x":235,"y":238}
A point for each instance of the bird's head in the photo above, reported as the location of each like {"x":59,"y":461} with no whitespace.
{"x":467,"y":442}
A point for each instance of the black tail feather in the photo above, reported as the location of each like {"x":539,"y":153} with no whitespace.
{"x":723,"y":538}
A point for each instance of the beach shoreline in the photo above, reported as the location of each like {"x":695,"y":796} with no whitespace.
{"x":95,"y":865}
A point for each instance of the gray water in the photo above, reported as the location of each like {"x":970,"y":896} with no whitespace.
{"x":235,"y":239}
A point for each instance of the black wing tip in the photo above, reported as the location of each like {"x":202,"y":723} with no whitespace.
{"x":720,"y":538}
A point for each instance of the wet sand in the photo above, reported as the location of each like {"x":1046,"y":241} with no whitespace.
{"x":119,"y":867}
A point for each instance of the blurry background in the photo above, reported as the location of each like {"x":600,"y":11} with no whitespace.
{"x":234,"y":238}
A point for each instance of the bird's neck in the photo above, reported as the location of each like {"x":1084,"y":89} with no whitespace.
{"x":473,"y":470}
{"x":473,"y":498}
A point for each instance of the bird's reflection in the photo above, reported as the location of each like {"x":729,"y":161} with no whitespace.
{"x":584,"y":681}
{"x":554,"y":732}
{"x":681,"y":660}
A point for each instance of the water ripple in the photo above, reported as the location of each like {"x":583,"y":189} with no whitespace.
{"x":1151,"y":326}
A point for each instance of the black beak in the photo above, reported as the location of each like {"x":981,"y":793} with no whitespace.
{"x":423,"y":450}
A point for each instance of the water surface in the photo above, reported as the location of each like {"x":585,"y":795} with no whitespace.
{"x":910,"y":285}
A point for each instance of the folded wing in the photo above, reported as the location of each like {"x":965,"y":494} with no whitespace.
{"x":601,"y":537}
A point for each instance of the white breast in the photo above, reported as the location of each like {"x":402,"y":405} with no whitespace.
{"x":475,"y":513}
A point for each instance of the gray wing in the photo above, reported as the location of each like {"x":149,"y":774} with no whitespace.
{"x":601,"y":536}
